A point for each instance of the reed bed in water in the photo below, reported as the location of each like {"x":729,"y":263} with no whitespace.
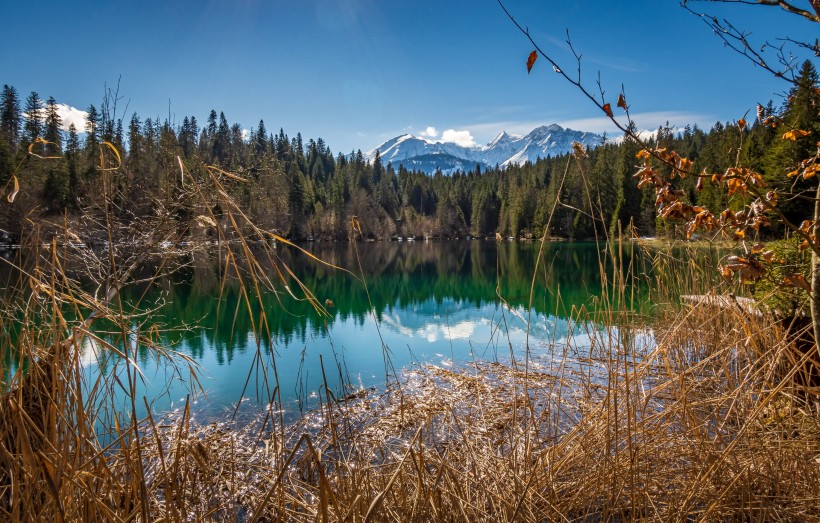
{"x":695,"y":412}
{"x":701,"y":421}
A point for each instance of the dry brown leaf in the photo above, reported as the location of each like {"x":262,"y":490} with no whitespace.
{"x":531,"y":60}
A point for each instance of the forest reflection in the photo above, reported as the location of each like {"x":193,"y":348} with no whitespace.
{"x":419,"y":276}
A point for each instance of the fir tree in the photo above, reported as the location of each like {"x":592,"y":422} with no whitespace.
{"x":52,"y":133}
{"x":10,"y":117}
{"x":72,"y":156}
{"x":33,"y":127}
{"x":92,"y":129}
{"x":222,"y":140}
{"x":57,"y":190}
{"x":261,"y":139}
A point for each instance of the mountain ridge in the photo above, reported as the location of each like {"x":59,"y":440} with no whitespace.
{"x":505,"y":149}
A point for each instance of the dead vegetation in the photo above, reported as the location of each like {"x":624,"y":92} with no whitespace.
{"x":703,"y":424}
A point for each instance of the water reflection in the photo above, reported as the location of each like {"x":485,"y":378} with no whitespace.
{"x":435,"y":302}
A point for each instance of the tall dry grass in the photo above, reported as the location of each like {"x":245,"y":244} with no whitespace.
{"x":690,"y":413}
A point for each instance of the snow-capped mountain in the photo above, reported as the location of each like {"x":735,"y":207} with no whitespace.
{"x":426,"y":155}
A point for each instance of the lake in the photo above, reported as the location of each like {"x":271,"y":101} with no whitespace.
{"x":401,"y":304}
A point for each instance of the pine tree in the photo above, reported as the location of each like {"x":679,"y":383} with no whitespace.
{"x":10,"y":117}
{"x":117,"y":137}
{"x":283,"y":151}
{"x":92,"y":129}
{"x":72,"y":156}
{"x":52,"y":132}
{"x":211,"y":129}
{"x":261,"y":139}
{"x":186,"y":137}
{"x":33,"y":127}
{"x":57,"y":190}
{"x":222,"y":140}
{"x":194,"y":129}
{"x":6,"y":164}
{"x":135,"y":148}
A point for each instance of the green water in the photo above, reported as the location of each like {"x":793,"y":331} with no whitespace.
{"x":432,"y":302}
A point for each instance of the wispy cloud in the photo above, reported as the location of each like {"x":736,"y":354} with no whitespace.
{"x":617,"y":65}
{"x":647,"y":120}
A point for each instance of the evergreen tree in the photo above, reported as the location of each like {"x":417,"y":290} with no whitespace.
{"x":187,"y":137}
{"x":628,"y":197}
{"x":222,"y":140}
{"x":57,"y":190}
{"x":92,"y":129}
{"x":33,"y":127}
{"x":117,"y":137}
{"x":6,"y":164}
{"x":52,"y":133}
{"x":237,"y":145}
{"x":10,"y":117}
{"x":72,"y":156}
{"x":261,"y":145}
{"x":135,"y":146}
{"x":211,"y":129}
{"x":194,"y":127}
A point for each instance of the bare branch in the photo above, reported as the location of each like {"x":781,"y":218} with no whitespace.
{"x":786,"y":6}
{"x":627,"y":129}
{"x":814,"y":48}
{"x":738,"y":41}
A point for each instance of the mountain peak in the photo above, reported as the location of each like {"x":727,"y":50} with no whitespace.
{"x":544,"y":129}
{"x":501,"y":138}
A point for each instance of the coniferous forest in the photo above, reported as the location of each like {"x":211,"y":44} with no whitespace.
{"x":302,"y":189}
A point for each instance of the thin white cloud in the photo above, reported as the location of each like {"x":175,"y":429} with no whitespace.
{"x":462,"y":138}
{"x":648,"y":120}
{"x":430,"y":132}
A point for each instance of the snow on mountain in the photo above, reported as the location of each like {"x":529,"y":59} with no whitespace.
{"x":504,"y":150}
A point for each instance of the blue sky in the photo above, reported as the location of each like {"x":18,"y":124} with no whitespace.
{"x":357,"y":72}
